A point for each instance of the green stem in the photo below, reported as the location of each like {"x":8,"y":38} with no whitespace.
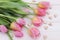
{"x":7,"y":16}
{"x":12,"y":17}
{"x":22,"y":12}
{"x":32,"y":3}
{"x":26,"y":27}
{"x":9,"y":36}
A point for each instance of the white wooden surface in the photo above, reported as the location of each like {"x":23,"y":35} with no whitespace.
{"x":53,"y":32}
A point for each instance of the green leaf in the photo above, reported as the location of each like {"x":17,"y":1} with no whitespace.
{"x":9,"y":12}
{"x":9,"y":35}
{"x":8,"y":4}
{"x":3,"y":21}
{"x":4,"y":0}
{"x":14,"y":0}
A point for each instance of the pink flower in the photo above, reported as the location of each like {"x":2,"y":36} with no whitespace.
{"x":34,"y":32}
{"x":20,"y":21}
{"x":18,"y":33}
{"x":37,"y":21}
{"x":44,"y":5}
{"x":3,"y":28}
{"x":40,"y":12}
{"x":15,"y":26}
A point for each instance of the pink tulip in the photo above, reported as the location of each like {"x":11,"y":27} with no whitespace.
{"x":34,"y":32}
{"x":15,"y":26}
{"x":3,"y":28}
{"x":44,"y":5}
{"x":40,"y":12}
{"x":18,"y":33}
{"x":20,"y":21}
{"x":37,"y":21}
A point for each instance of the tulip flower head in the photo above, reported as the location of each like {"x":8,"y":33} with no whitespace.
{"x":34,"y":32}
{"x":18,"y":33}
{"x":3,"y":28}
{"x":37,"y":21}
{"x":15,"y":26}
{"x":40,"y":12}
{"x":44,"y":5}
{"x":20,"y":21}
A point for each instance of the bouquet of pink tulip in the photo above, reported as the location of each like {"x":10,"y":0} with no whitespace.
{"x":12,"y":16}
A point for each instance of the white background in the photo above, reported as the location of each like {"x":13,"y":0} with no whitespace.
{"x":53,"y":32}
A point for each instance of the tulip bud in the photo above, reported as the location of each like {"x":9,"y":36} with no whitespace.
{"x":3,"y":28}
{"x":15,"y":26}
{"x":40,"y":12}
{"x":20,"y":21}
{"x":18,"y":33}
{"x":44,"y":5}
{"x":34,"y":32}
{"x":37,"y":21}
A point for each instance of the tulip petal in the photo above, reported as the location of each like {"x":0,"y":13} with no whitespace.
{"x":3,"y":28}
{"x":18,"y":33}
